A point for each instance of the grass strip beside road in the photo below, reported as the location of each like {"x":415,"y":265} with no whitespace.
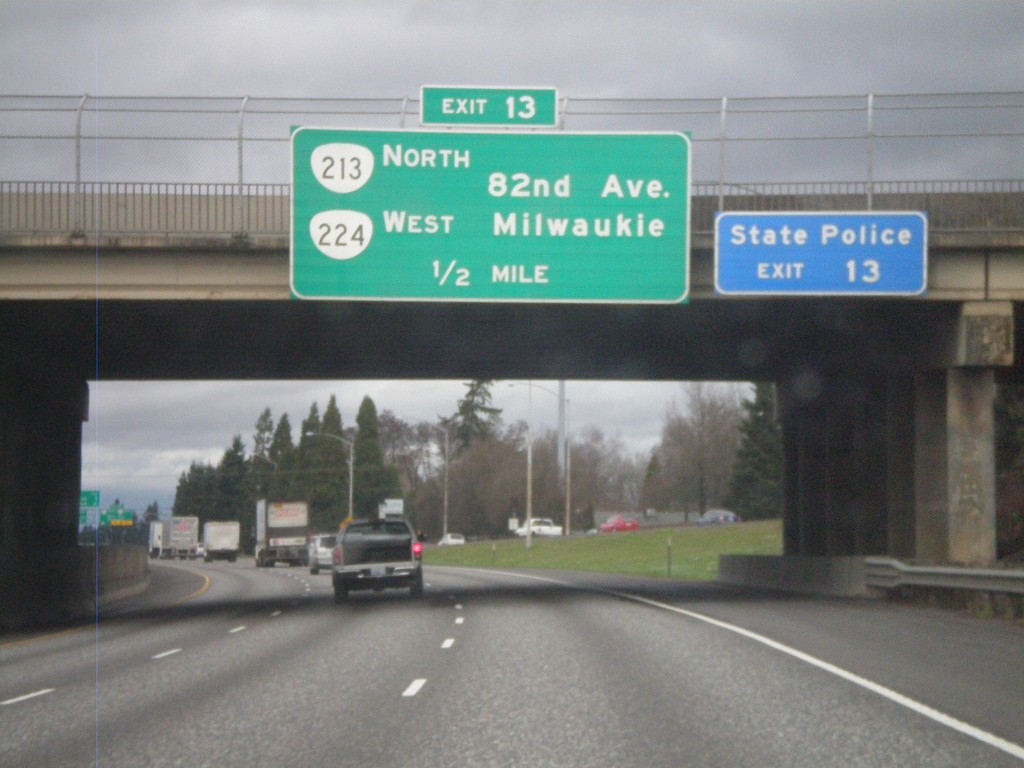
{"x":694,"y":551}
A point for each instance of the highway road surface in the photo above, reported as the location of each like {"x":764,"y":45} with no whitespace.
{"x":229,"y":665}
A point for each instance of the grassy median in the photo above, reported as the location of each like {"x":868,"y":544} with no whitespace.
{"x":693,"y":551}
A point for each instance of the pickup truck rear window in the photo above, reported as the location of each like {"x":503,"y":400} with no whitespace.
{"x":384,"y":528}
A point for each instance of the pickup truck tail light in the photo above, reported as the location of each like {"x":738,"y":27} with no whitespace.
{"x":417,"y":550}
{"x":336,"y":556}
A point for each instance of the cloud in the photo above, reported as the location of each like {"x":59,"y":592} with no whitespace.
{"x":656,"y":48}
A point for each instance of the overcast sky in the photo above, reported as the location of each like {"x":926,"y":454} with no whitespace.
{"x":140,"y":437}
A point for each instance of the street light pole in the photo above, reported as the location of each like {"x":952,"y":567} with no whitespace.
{"x":444,"y":519}
{"x":568,"y":471}
{"x":562,"y":403}
{"x":351,"y":463}
{"x":529,"y":465}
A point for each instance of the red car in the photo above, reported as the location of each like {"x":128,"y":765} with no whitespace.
{"x":619,"y":523}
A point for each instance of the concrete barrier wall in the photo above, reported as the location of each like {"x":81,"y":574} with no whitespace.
{"x":53,"y":585}
{"x":833,"y":576}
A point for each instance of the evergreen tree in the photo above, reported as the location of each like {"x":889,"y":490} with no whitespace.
{"x":311,"y":424}
{"x":264,"y":434}
{"x":325,"y":461}
{"x":261,"y":466}
{"x":374,"y":481}
{"x":757,"y":475}
{"x":281,"y":444}
{"x":655,"y":493}
{"x":476,"y":418}
{"x":284,"y":482}
{"x":1009,"y":428}
{"x":196,"y":492}
{"x":232,"y":493}
{"x":152,"y":513}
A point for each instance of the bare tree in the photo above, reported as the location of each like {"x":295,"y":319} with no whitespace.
{"x":693,"y":467}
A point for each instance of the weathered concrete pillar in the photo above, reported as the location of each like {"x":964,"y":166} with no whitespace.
{"x":954,"y":477}
{"x":955,"y":484}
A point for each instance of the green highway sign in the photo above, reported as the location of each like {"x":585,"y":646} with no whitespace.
{"x":461,"y":105}
{"x":117,"y":516}
{"x":88,"y":508}
{"x":478,"y":216}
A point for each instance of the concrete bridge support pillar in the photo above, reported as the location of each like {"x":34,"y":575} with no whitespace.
{"x":41,"y":419}
{"x":954,"y":478}
{"x":835,"y":441}
{"x":902,"y":465}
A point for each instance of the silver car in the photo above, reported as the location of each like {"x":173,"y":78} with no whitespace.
{"x":321,"y":549}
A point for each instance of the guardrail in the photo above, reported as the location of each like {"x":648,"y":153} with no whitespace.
{"x":153,"y":209}
{"x":887,"y":573}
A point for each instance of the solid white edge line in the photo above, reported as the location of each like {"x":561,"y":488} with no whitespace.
{"x":27,"y":696}
{"x":888,"y":693}
{"x":165,"y":654}
{"x":414,"y":688}
{"x":1009,"y":747}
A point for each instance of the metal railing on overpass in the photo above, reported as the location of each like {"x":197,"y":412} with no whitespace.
{"x":255,"y":211}
{"x":195,"y":166}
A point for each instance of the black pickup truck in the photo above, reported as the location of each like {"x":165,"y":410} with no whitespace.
{"x":377,"y":554}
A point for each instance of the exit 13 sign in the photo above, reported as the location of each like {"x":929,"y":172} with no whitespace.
{"x":470,"y":105}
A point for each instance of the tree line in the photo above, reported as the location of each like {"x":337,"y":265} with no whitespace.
{"x":719,"y":449}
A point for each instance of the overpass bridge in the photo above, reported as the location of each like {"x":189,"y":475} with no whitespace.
{"x":886,"y":403}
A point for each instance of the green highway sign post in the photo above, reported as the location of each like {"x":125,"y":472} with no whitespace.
{"x":482,"y":216}
{"x":509,"y":107}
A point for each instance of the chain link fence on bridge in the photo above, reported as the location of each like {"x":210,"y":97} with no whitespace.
{"x":165,"y":166}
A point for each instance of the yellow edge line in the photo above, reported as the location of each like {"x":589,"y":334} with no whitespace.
{"x":197,"y":593}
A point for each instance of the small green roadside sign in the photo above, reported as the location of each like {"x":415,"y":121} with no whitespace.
{"x":508,"y":107}
{"x":117,"y":516}
{"x":485,"y":216}
{"x":88,"y":509}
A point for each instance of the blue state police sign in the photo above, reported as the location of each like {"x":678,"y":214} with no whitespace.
{"x":821,"y":253}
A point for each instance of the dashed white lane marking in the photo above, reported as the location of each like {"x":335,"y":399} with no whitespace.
{"x":27,"y":696}
{"x":448,"y":643}
{"x":165,"y":654}
{"x":414,"y":688}
{"x":236,"y":630}
{"x":458,"y":606}
{"x":275,"y":614}
{"x":459,"y":620}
